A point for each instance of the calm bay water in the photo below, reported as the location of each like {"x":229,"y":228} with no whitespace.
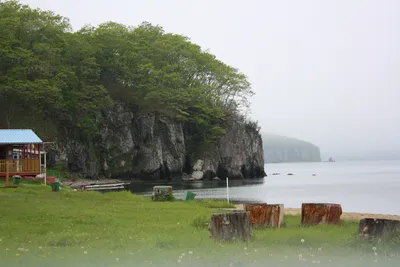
{"x":359,"y":186}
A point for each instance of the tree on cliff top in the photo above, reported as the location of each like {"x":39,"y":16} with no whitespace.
{"x":70,"y":76}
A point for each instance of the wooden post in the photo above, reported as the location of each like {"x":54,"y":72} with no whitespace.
{"x":7,"y":174}
{"x":45,"y":165}
{"x":40,"y":160}
{"x":370,"y":227}
{"x":264,"y":215}
{"x":227,"y":189}
{"x":23,"y":158}
{"x":320,"y":213}
{"x":230,"y":227}
{"x":30,"y":158}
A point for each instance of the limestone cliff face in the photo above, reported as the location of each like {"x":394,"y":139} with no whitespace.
{"x":239,"y":154}
{"x":155,"y":147}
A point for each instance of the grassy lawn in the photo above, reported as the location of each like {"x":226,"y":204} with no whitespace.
{"x":71,"y":228}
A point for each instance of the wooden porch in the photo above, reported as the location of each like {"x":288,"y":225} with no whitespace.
{"x":23,"y":167}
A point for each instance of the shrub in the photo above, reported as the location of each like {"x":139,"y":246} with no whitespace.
{"x":164,"y":197}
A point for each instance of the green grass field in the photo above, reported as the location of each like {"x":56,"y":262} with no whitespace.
{"x":72,"y":228}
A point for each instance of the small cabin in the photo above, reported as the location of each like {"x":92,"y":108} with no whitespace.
{"x":21,"y":153}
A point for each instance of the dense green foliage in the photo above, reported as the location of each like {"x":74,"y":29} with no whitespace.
{"x":68,"y":77}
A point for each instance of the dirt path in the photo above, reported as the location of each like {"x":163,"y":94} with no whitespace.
{"x":345,"y":216}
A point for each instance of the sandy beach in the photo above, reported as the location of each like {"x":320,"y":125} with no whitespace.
{"x":345,"y":216}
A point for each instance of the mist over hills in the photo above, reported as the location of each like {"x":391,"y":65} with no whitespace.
{"x":286,"y":149}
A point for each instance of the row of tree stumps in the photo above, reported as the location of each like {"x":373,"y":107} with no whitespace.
{"x":236,"y":226}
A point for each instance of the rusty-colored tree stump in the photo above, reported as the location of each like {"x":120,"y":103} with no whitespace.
{"x":265,"y":215}
{"x":370,"y":227}
{"x":162,"y":193}
{"x":320,"y":213}
{"x":229,"y":227}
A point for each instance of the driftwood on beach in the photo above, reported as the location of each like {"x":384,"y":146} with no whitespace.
{"x":228,"y":227}
{"x":370,"y":227}
{"x":100,"y":187}
{"x":320,"y":213}
{"x":265,"y":215}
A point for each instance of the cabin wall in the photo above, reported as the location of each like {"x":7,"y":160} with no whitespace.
{"x":6,"y":152}
{"x":27,"y":162}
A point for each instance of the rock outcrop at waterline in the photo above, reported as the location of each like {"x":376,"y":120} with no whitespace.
{"x":155,"y":147}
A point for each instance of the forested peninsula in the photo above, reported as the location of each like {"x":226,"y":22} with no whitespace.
{"x":125,"y":102}
{"x":279,"y":149}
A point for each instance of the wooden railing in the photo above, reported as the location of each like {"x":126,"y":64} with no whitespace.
{"x":20,"y":166}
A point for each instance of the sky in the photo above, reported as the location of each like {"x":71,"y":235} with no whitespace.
{"x":323,"y":71}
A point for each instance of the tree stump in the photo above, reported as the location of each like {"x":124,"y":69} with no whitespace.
{"x":264,"y":215}
{"x":162,"y":193}
{"x":228,"y":227}
{"x":320,"y":213}
{"x":370,"y":227}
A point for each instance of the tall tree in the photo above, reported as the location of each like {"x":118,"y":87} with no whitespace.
{"x":69,"y":76}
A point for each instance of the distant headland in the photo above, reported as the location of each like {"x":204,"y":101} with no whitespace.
{"x":279,"y":149}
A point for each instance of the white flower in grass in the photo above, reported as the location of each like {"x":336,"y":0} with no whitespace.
{"x":302,"y":240}
{"x":374,"y":248}
{"x":85,"y":252}
{"x":190,"y":252}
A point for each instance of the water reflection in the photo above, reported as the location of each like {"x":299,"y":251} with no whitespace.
{"x":352,"y":184}
{"x":203,"y":189}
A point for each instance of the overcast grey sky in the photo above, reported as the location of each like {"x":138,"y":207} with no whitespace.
{"x":323,"y":71}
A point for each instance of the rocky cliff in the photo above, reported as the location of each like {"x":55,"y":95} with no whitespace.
{"x":284,"y":149}
{"x":155,"y":147}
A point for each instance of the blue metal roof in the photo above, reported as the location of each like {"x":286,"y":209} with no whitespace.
{"x":18,"y":136}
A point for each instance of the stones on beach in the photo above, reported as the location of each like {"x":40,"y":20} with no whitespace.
{"x":265,"y":215}
{"x":197,"y":175}
{"x":320,"y":213}
{"x":230,"y":227}
{"x":371,"y":227}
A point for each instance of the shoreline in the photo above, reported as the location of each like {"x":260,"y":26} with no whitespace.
{"x":238,"y":204}
{"x":347,"y":216}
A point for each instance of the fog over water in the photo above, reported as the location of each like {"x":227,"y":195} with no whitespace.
{"x":322,"y":71}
